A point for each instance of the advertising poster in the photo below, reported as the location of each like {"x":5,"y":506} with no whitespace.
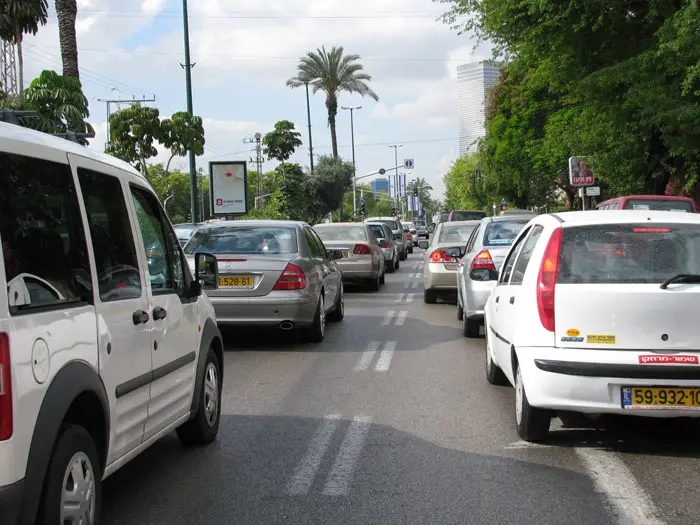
{"x":228,"y":182}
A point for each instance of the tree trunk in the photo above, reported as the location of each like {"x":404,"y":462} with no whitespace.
{"x":332,"y":106}
{"x":20,"y":62}
{"x":67,"y":11}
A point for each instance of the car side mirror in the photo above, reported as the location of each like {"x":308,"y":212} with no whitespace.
{"x":455,"y":253}
{"x":423,"y":245}
{"x":206,"y":271}
{"x":334,"y":255}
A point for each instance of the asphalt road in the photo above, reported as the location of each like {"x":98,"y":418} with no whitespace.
{"x":390,"y":420}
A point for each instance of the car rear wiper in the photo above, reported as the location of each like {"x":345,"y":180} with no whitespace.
{"x":681,"y":278}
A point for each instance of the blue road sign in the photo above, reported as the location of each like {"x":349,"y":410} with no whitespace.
{"x":408,"y":164}
{"x":382,"y":171}
{"x":362,"y":200}
{"x":503,"y":202}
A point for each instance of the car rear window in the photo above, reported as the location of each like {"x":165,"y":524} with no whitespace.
{"x":503,"y":233}
{"x":394,"y":225}
{"x":459,"y":234}
{"x":629,"y":253}
{"x":467,"y":216}
{"x":658,"y":205}
{"x":341,"y":233}
{"x":264,"y":240}
{"x":420,"y":224}
{"x":377,"y":230}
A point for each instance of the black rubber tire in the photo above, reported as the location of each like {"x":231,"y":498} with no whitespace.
{"x":460,"y":310}
{"x":197,"y":431}
{"x":534,"y":422}
{"x":470,"y":328}
{"x":374,"y":284}
{"x":316,"y":332}
{"x":389,"y":265}
{"x":397,"y":264}
{"x":494,"y":374}
{"x":71,"y":440}
{"x":382,"y":279}
{"x":402,"y":257}
{"x":410,"y":250}
{"x":338,"y":312}
{"x":429,"y":297}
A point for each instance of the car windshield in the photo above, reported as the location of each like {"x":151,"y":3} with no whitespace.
{"x":658,"y":205}
{"x":467,"y":215}
{"x":629,"y":253}
{"x":503,"y":233}
{"x":262,"y":240}
{"x":341,"y":233}
{"x":184,"y":232}
{"x":420,"y":224}
{"x":459,"y":233}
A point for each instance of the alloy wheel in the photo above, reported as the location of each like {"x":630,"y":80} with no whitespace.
{"x":78,"y":492}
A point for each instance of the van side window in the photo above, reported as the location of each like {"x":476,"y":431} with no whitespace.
{"x":165,"y":260}
{"x":116,"y":263}
{"x":43,"y":240}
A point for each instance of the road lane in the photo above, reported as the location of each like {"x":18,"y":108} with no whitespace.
{"x":384,"y":423}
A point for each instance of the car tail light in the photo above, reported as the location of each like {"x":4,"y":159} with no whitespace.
{"x":292,"y":278}
{"x":413,"y":231}
{"x":547,"y":280}
{"x":483,"y":261}
{"x":440,"y":256}
{"x":362,"y":249}
{"x":5,"y":389}
{"x":385,"y":244}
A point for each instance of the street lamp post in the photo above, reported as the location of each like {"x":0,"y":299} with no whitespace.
{"x":396,"y":160}
{"x":308,"y":117}
{"x":354,"y":172}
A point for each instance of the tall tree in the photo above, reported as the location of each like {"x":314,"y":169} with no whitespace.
{"x":333,"y":73}
{"x":134,"y":133}
{"x":181,"y":133}
{"x":17,"y":18}
{"x":67,"y":12}
{"x":281,"y":142}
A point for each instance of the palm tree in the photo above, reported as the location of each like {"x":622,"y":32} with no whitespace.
{"x":332,"y":72}
{"x":17,"y":18}
{"x":67,"y":12}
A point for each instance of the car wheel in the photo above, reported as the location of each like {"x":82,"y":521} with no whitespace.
{"x":317,"y":331}
{"x":382,"y":279}
{"x":204,"y":426}
{"x":397,"y":263}
{"x":470,"y":328}
{"x":73,"y":486}
{"x":375,"y":283}
{"x":494,"y":374}
{"x":390,"y":266}
{"x":339,"y":311}
{"x":429,"y":297}
{"x":532,"y":423}
{"x":410,"y":250}
{"x":460,"y":310}
{"x":403,"y":255}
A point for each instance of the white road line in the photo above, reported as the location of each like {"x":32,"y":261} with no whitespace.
{"x":389,"y":316}
{"x":631,"y":504}
{"x":410,"y":297}
{"x":401,"y":318}
{"x":414,"y":284}
{"x":367,"y":356}
{"x":384,"y":361}
{"x":308,"y":468}
{"x":399,"y":298}
{"x":407,"y":284}
{"x":340,"y":478}
{"x":524,"y":444}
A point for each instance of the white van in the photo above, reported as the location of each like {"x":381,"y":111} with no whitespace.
{"x":107,"y":342}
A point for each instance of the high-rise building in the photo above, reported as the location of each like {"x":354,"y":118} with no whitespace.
{"x":378,"y":185}
{"x":474,"y":83}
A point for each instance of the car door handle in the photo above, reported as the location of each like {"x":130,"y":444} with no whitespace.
{"x":497,"y":298}
{"x":159,"y":313}
{"x":512,"y":300}
{"x":140,"y":317}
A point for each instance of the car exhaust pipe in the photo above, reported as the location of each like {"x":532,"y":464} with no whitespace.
{"x":287,"y":325}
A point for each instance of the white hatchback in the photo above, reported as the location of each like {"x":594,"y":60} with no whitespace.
{"x":594,"y":312}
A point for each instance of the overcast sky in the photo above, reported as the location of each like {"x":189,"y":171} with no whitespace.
{"x":244,"y":52}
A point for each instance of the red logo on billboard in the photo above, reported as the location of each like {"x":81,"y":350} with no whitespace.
{"x":229,"y":174}
{"x":669,"y":359}
{"x":219,"y":202}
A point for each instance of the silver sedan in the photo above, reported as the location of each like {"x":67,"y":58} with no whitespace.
{"x":272,"y":273}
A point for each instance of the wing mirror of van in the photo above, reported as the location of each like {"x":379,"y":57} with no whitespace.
{"x":206,"y":271}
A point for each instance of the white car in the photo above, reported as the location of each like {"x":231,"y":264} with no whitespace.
{"x":595,"y":312}
{"x":99,"y":359}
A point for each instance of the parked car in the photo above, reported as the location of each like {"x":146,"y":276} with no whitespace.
{"x":362,"y":258}
{"x":593,"y":314}
{"x":442,"y":255}
{"x":387,"y":243}
{"x":185,"y":230}
{"x":650,"y":202}
{"x":478,"y":272}
{"x":396,"y":231}
{"x":422,"y":228}
{"x":465,"y":215}
{"x":96,"y":364}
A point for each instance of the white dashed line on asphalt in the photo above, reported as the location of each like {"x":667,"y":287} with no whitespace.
{"x":399,"y":298}
{"x":414,"y":284}
{"x":519,"y":445}
{"x":367,"y":356}
{"x":410,"y":297}
{"x":388,"y":318}
{"x":308,"y":468}
{"x":340,"y":478}
{"x":384,"y":361}
{"x":401,"y":318}
{"x":407,"y":284}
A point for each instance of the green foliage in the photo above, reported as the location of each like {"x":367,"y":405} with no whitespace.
{"x":327,"y":186}
{"x":181,"y":133}
{"x":178,"y":183}
{"x":281,"y":143}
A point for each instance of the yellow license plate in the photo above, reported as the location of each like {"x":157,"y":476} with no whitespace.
{"x":345,"y":254}
{"x":236,"y":281}
{"x":659,"y":398}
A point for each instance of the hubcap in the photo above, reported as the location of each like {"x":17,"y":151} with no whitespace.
{"x":211,"y":394}
{"x":322,"y":316}
{"x":519,"y":397}
{"x":78,"y":492}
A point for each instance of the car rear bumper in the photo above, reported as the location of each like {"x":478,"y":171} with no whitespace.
{"x":578,"y":380}
{"x":437,"y":277}
{"x":353,"y":271}
{"x":11,"y":502}
{"x":263,"y":311}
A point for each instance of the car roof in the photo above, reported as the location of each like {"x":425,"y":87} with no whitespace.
{"x":651,"y":197}
{"x":503,"y":218}
{"x":333,"y":224}
{"x":582,"y":218}
{"x":254,"y":222}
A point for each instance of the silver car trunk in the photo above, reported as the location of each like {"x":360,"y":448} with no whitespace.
{"x":347,"y":247}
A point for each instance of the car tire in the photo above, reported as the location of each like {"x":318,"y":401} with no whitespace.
{"x":317,"y":331}
{"x":532,"y":423}
{"x":410,"y":249}
{"x":390,"y":266}
{"x":204,"y":426}
{"x":374,"y":284}
{"x":429,"y":297}
{"x":494,"y":374}
{"x":470,"y":327}
{"x":402,"y":257}
{"x":338,"y":312}
{"x":397,"y":264}
{"x":73,"y":446}
{"x":460,"y":310}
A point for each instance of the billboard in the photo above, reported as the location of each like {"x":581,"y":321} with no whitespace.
{"x":228,"y":183}
{"x":580,"y":173}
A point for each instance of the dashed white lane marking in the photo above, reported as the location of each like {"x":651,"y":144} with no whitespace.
{"x":414,"y":284}
{"x":384,"y":361}
{"x":340,"y":478}
{"x":401,"y":318}
{"x":399,"y":298}
{"x":524,"y":444}
{"x":410,"y":297}
{"x":631,"y":504}
{"x":388,"y":318}
{"x":308,"y":468}
{"x":407,"y":284}
{"x":367,"y":356}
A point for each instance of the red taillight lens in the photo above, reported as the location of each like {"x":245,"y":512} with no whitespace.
{"x":5,"y":389}
{"x":440,"y":256}
{"x":547,"y":280}
{"x":292,"y":278}
{"x":362,"y":249}
{"x":385,"y":244}
{"x":483,"y":261}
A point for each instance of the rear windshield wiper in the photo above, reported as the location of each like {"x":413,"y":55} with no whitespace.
{"x":681,"y":278}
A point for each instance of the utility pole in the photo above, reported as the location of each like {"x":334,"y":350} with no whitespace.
{"x":258,"y":161}
{"x":117,"y":102}
{"x":396,"y":175}
{"x":354,"y":172}
{"x":187,"y":66}
{"x":308,"y":116}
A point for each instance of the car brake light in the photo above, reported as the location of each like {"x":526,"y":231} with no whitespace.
{"x":362,"y":249}
{"x":385,"y":244}
{"x":413,"y":231}
{"x":440,"y":256}
{"x":5,"y":389}
{"x":547,"y":280}
{"x":483,"y":261}
{"x":292,"y":278}
{"x":650,"y":230}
